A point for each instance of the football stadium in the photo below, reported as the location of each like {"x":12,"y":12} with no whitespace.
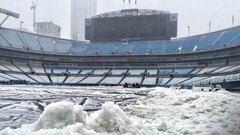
{"x":211,"y":58}
{"x":132,"y":75}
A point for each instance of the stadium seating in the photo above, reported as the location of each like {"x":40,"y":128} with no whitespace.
{"x":101,"y":71}
{"x":57,"y":79}
{"x":91,"y":80}
{"x":31,"y":42}
{"x":149,"y":81}
{"x":132,"y":80}
{"x":73,"y":79}
{"x":164,"y":75}
{"x":163,"y":81}
{"x":176,"y":81}
{"x":118,"y":71}
{"x":12,"y":38}
{"x":136,"y":71}
{"x":111,"y":80}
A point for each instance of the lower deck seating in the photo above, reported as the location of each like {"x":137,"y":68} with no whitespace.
{"x":22,"y":77}
{"x":163,"y":81}
{"x":149,"y":81}
{"x":57,"y":79}
{"x":132,"y":80}
{"x":136,"y":71}
{"x":73,"y":80}
{"x":193,"y":80}
{"x":111,"y":80}
{"x":11,"y":67}
{"x":100,"y":71}
{"x":86,"y":71}
{"x":91,"y":80}
{"x":118,"y":71}
{"x":38,"y":74}
{"x":7,"y":77}
{"x":207,"y":70}
{"x":176,"y":81}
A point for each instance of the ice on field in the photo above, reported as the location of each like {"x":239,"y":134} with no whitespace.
{"x":163,"y":111}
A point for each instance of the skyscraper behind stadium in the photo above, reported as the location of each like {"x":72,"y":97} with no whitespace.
{"x":80,"y":10}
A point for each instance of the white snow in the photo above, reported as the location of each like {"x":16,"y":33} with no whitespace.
{"x":189,"y":112}
{"x":163,"y":112}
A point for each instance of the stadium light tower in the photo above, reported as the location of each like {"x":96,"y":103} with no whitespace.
{"x":8,"y":14}
{"x":33,"y":8}
{"x":188,"y":30}
{"x":210,"y":26}
{"x":21,"y":22}
{"x":233,"y":19}
{"x":129,"y":2}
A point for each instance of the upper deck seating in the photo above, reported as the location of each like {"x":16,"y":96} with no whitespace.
{"x":204,"y":42}
{"x":12,"y":38}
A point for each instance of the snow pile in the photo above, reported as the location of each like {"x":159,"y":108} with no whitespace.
{"x":110,"y":118}
{"x":189,"y":112}
{"x":65,"y":118}
{"x":163,"y":111}
{"x":60,"y":115}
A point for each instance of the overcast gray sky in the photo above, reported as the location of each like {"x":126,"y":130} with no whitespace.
{"x":195,"y":13}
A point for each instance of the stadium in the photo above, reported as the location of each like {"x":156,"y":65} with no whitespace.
{"x":211,"y":58}
{"x":133,"y":76}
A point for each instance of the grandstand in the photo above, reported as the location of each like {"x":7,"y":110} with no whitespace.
{"x":200,"y":60}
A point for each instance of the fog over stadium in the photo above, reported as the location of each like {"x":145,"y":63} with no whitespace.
{"x":195,"y":14}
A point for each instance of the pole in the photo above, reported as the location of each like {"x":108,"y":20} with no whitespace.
{"x":188,"y":27}
{"x":210,"y":26}
{"x":33,"y":8}
{"x":123,"y":5}
{"x":233,"y":19}
{"x":21,"y":22}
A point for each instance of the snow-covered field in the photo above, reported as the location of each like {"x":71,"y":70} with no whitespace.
{"x":159,"y":112}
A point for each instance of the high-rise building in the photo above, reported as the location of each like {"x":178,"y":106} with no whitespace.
{"x":80,"y":10}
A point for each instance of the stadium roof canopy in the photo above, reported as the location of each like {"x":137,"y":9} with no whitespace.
{"x":131,"y":12}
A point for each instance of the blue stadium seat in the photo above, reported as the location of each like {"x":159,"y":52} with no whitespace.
{"x":190,"y":43}
{"x":124,"y":49}
{"x":78,"y":48}
{"x":3,"y":41}
{"x":139,"y":48}
{"x":207,"y":40}
{"x":156,"y":47}
{"x":32,"y":41}
{"x":93,"y":49}
{"x":173,"y":46}
{"x":106,"y":48}
{"x":47,"y":43}
{"x":226,"y":37}
{"x":63,"y":46}
{"x":13,"y":38}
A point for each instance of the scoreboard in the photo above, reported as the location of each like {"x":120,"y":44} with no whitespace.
{"x":132,"y":27}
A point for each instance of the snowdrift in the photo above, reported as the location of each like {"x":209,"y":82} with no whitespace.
{"x":164,"y":111}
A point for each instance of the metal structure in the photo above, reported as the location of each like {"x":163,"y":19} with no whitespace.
{"x":131,"y":12}
{"x":8,"y":14}
{"x":33,"y":8}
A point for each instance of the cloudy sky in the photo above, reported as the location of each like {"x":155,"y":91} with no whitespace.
{"x":195,"y":13}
